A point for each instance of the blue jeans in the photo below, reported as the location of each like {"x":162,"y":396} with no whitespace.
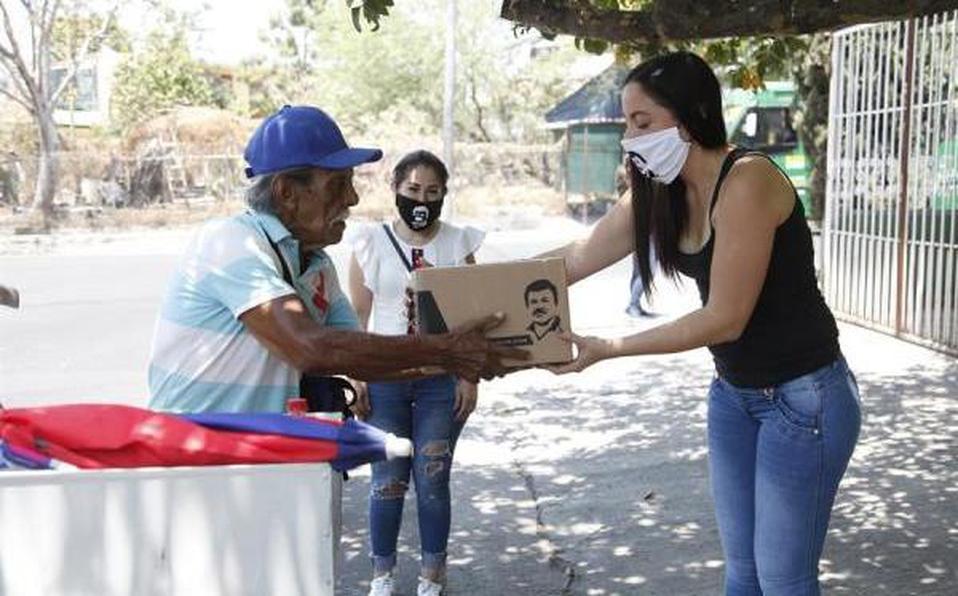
{"x":776,"y":456}
{"x":422,"y":411}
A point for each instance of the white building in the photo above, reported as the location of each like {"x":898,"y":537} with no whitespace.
{"x":87,"y":101}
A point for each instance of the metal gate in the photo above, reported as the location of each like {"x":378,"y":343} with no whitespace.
{"x":890,"y":259}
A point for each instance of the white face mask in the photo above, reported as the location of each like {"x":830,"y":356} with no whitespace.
{"x":659,"y":155}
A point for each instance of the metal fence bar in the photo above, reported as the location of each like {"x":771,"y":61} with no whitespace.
{"x":920,"y":173}
{"x":868,"y":203}
{"x":940,"y":247}
{"x":889,"y":153}
{"x":891,"y":219}
{"x":924,"y":140}
{"x":917,"y":198}
{"x":900,"y":100}
{"x":903,"y":179}
{"x":950,"y":35}
{"x":836,"y":97}
{"x":841,"y":166}
{"x":930,"y":181}
{"x":951,"y":165}
{"x":861,"y":175}
{"x":860,"y":165}
{"x":837,"y":108}
{"x":911,"y":214}
{"x":849,"y":196}
{"x":828,"y":236}
{"x":946,"y":303}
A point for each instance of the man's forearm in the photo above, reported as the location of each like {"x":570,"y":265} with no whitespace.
{"x":371,"y":357}
{"x":409,"y":374}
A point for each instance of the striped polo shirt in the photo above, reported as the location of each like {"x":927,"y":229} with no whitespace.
{"x":203,"y":359}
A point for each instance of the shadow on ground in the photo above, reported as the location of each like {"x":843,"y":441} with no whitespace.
{"x":597,"y":484}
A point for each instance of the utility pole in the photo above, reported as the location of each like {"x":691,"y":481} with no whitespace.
{"x":448,"y":99}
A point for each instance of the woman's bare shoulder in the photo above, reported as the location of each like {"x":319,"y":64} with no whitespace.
{"x":756,"y":183}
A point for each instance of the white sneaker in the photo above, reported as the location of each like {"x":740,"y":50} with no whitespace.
{"x":429,"y":588}
{"x":382,"y":585}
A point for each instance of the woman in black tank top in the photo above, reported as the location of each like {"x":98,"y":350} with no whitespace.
{"x":783,"y":407}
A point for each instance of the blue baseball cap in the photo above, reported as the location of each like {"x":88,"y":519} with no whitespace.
{"x":301,"y":137}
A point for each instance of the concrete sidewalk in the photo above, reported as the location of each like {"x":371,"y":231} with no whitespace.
{"x":596,"y":484}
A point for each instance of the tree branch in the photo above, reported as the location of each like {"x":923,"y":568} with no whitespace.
{"x":97,"y":38}
{"x":5,"y":53}
{"x":675,"y":20}
{"x":48,"y":16}
{"x":478,"y":106}
{"x":16,"y":57}
{"x":16,"y":80}
{"x":35,"y":44}
{"x":48,"y":21}
{"x":17,"y":100}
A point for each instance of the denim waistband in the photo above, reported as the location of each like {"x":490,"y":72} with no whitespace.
{"x":817,"y":379}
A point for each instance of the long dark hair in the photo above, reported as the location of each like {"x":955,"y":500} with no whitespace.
{"x":685,"y":85}
{"x":417,"y":158}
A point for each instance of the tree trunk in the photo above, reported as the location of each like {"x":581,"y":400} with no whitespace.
{"x":477,"y":106}
{"x":811,"y":121}
{"x":48,"y":164}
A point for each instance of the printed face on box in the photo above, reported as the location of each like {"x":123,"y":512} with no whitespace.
{"x":542,"y":302}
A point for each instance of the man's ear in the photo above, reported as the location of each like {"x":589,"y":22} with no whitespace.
{"x":284,"y":196}
{"x":684,"y":134}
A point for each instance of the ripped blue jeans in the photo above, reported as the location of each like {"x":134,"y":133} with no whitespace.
{"x":422,"y":411}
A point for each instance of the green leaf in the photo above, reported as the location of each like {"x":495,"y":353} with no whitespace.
{"x":595,"y":46}
{"x":355,"y":13}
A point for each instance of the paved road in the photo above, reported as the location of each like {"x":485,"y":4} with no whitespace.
{"x":592,"y":484}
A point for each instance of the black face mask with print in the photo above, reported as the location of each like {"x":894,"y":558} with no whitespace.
{"x":417,"y":214}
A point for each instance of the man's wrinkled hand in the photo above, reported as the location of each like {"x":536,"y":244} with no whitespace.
{"x":473,"y":356}
{"x":466,"y":396}
{"x":361,"y":407}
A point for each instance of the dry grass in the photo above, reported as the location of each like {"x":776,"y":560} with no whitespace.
{"x":472,"y":202}
{"x":195,"y":129}
{"x":179,"y":213}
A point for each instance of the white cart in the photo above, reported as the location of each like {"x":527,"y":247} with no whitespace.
{"x":230,"y":530}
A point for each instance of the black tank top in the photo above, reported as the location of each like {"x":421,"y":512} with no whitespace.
{"x":791,"y":331}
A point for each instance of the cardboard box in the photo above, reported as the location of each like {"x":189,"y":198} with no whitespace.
{"x":533,"y":295}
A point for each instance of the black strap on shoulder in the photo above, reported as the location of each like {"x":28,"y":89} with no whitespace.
{"x":399,"y":251}
{"x":775,"y":165}
{"x":730,"y":160}
{"x":287,"y":276}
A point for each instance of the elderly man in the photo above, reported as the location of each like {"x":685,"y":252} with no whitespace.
{"x":256,"y":302}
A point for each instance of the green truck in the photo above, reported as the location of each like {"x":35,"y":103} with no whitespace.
{"x":762,"y":120}
{"x":591,"y":124}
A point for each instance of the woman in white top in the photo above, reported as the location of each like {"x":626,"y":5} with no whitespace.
{"x":429,"y":411}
